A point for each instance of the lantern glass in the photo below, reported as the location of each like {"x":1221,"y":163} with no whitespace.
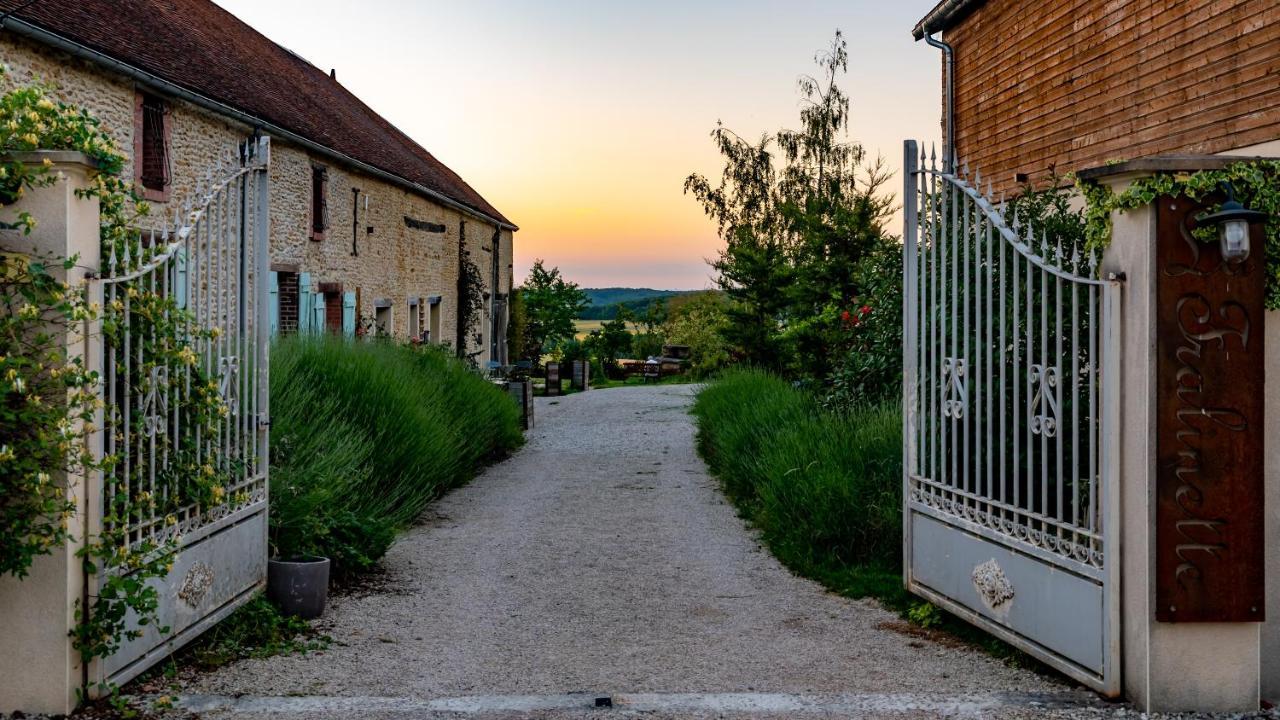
{"x":1234,"y":238}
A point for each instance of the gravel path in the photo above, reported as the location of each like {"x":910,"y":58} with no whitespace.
{"x":602,"y":561}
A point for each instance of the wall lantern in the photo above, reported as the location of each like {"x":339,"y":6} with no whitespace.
{"x":1233,"y":222}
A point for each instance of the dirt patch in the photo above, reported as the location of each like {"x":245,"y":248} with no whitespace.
{"x":938,"y":637}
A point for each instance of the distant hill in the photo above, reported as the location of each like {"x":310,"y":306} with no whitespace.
{"x":606,"y":301}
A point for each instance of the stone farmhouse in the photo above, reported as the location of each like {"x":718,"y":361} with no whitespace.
{"x":1077,"y":85}
{"x":368,"y":229}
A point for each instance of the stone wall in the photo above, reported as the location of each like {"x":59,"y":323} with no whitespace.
{"x":368,"y":249}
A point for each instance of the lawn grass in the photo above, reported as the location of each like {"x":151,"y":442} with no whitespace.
{"x":823,"y":488}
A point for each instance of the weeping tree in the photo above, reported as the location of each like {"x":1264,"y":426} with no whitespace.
{"x":798,"y":211}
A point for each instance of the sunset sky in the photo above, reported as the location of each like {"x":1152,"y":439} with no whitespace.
{"x":581,"y":119}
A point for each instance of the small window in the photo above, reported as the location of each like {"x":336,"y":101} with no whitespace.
{"x":153,"y":170}
{"x":415,"y":321}
{"x":433,"y":323}
{"x":382,"y":320}
{"x":319,"y":201}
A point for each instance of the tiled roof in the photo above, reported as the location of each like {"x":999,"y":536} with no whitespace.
{"x":198,"y":46}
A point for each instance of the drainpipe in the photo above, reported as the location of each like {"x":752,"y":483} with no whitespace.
{"x":355,"y":219}
{"x":948,"y":61}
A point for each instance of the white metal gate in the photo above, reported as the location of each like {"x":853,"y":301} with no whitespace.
{"x":179,"y":476}
{"x":1010,"y":407}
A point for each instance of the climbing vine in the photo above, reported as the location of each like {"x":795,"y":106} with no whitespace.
{"x":49,"y":399}
{"x":1256,"y":184}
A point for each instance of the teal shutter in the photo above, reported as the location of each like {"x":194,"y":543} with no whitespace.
{"x":304,"y":303}
{"x":180,"y":277}
{"x":349,"y":313}
{"x":274,"y":304}
{"x":317,"y":313}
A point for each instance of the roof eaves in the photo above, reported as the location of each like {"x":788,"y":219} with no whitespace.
{"x":943,"y":16}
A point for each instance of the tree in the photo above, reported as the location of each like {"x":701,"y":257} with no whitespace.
{"x":795,"y":226}
{"x":612,"y":340}
{"x":700,"y":324}
{"x":551,"y":304}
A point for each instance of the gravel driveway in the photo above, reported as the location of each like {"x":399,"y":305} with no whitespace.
{"x":601,"y":561}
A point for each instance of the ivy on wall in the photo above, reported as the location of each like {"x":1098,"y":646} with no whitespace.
{"x":1256,"y":184}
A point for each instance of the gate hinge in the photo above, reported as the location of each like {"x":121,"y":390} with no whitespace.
{"x":264,"y":420}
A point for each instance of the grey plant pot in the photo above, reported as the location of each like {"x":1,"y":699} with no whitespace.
{"x":299,"y":586}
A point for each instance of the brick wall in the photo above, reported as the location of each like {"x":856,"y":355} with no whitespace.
{"x":287,"y":296}
{"x":1082,"y":82}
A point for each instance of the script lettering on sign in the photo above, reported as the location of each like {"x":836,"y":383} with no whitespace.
{"x":1209,"y":384}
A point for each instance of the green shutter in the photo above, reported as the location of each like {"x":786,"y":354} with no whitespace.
{"x":180,"y":279}
{"x":274,"y":304}
{"x":317,"y":313}
{"x":304,"y":303}
{"x":349,"y":313}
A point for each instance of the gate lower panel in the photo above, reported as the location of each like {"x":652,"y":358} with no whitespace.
{"x":210,"y":578}
{"x":1009,"y":592}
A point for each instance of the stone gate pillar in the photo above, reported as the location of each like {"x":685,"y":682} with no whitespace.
{"x":40,"y":671}
{"x":1196,"y":418}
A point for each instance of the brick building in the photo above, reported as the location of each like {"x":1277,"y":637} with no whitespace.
{"x":1079,"y":84}
{"x":368,"y":229}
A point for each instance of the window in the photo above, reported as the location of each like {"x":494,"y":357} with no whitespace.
{"x":433,"y":325}
{"x":319,"y":201}
{"x":382,"y":318}
{"x":152,"y":166}
{"x":415,"y":320}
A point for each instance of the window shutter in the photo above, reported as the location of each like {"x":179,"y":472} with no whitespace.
{"x":317,"y":317}
{"x":349,"y":313}
{"x":180,"y":277}
{"x":274,"y":304}
{"x":304,"y":303}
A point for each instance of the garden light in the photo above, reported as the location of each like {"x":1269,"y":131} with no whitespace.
{"x":1233,"y":222}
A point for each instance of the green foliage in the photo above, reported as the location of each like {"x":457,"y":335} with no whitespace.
{"x":551,"y":304}
{"x":255,"y":630}
{"x":926,"y":615}
{"x":611,"y":342}
{"x":45,"y":396}
{"x":701,"y":324}
{"x":870,"y":370}
{"x":364,"y":435}
{"x":824,"y":488}
{"x":795,"y":232}
{"x":470,"y":307}
{"x":1256,"y":184}
{"x":49,"y":393}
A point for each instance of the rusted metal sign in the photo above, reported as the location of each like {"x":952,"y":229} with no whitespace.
{"x":1209,"y":444}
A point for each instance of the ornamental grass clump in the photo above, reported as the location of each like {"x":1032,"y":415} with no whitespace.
{"x":365,"y":434}
{"x":825,"y":488}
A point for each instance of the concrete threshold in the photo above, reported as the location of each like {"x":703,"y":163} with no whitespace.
{"x":974,"y":705}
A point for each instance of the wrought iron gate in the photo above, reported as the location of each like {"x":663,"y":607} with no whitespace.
{"x":179,"y":476}
{"x":1010,"y":406}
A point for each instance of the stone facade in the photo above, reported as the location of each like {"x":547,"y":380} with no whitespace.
{"x":368,"y":247}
